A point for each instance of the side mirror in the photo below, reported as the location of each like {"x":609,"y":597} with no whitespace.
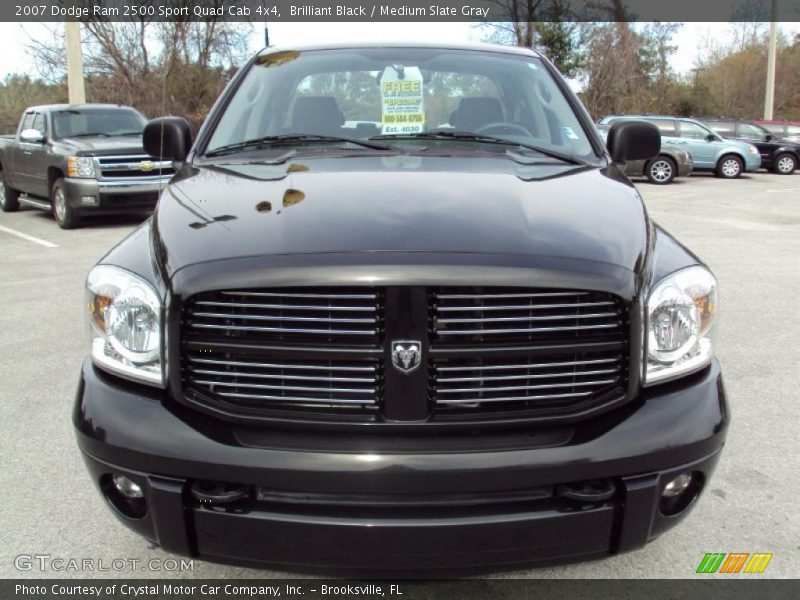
{"x":711,"y":138}
{"x":31,"y":136}
{"x":633,"y":140}
{"x":168,"y":138}
{"x":769,"y":137}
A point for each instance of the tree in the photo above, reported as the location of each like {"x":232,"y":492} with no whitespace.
{"x":155,"y":66}
{"x":544,"y":25}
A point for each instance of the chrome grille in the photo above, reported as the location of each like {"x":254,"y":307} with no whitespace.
{"x":112,"y":167}
{"x":562,"y":383}
{"x":252,"y":382}
{"x":288,"y":315}
{"x":466,"y":315}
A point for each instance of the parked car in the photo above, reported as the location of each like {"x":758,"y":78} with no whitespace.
{"x":421,"y":351}
{"x":76,"y":160}
{"x":671,"y":162}
{"x":710,"y":152}
{"x":787,"y":130}
{"x":777,"y":155}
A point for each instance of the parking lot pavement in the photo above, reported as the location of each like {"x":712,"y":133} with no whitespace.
{"x":747,"y":230}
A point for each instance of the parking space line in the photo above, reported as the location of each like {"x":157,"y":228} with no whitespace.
{"x":30,"y":238}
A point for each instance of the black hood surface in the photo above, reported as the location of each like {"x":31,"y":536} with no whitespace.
{"x":351,"y":204}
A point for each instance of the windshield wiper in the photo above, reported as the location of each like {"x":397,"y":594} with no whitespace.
{"x":293,"y":138}
{"x":127,"y":133}
{"x":468,"y":136}
{"x":95,"y":134}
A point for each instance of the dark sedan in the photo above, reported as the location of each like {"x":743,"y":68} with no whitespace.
{"x":778,"y":155}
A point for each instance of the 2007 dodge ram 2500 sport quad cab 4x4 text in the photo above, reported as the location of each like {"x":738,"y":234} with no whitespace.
{"x":399,"y":311}
{"x":80,"y":160}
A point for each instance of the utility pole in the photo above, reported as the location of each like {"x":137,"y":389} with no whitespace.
{"x":769,"y":95}
{"x":77,"y":92}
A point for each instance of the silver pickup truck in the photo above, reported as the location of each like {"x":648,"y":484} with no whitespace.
{"x":77,"y":160}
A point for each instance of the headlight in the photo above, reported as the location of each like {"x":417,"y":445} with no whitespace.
{"x":752,"y":150}
{"x":125,"y":322}
{"x":681,"y":311}
{"x":80,"y":166}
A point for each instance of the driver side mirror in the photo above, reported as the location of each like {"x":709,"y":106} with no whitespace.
{"x":633,"y":140}
{"x":31,"y":136}
{"x":168,"y":138}
{"x":711,"y":138}
{"x":769,"y":137}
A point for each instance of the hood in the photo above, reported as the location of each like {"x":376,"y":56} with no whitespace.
{"x":479,"y":205}
{"x":100,"y":145}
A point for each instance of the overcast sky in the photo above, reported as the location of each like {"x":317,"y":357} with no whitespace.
{"x":13,"y":37}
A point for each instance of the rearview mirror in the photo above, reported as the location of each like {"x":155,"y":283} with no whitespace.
{"x":168,"y":138}
{"x":633,"y":140}
{"x":31,"y":136}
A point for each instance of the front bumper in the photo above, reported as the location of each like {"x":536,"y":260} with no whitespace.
{"x":119,"y":195}
{"x":310,"y":522}
{"x":752,"y":162}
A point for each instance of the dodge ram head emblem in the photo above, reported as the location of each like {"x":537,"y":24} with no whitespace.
{"x":406,"y":355}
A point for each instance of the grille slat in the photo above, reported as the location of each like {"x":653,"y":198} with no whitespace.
{"x":477,"y":315}
{"x":290,"y":384}
{"x":523,"y":318}
{"x":491,"y":308}
{"x":297,"y":401}
{"x":475,"y":401}
{"x":280,"y":318}
{"x":221,"y":330}
{"x":289,"y":306}
{"x":545,"y":382}
{"x":294,"y":314}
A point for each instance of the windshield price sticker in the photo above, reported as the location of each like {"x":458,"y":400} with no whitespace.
{"x":402,"y":94}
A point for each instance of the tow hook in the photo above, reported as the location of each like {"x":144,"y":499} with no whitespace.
{"x":215,"y":492}
{"x":594,"y":490}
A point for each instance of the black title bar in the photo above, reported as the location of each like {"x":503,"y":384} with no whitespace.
{"x":402,"y":10}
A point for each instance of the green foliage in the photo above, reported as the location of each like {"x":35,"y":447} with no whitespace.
{"x":17,"y":92}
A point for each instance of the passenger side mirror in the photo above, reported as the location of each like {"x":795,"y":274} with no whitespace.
{"x":168,"y":138}
{"x":31,"y":136}
{"x":633,"y":140}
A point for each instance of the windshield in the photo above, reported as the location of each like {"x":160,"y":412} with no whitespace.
{"x":399,"y":93}
{"x":102,"y":122}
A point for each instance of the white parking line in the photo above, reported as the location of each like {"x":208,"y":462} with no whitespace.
{"x":30,"y":238}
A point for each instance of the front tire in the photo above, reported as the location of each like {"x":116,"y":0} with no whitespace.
{"x":661,"y":170}
{"x":9,"y":199}
{"x":730,"y":166}
{"x":785,"y":164}
{"x":64,"y":214}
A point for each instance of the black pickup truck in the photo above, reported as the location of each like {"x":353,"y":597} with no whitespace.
{"x":76,"y":160}
{"x":399,"y":310}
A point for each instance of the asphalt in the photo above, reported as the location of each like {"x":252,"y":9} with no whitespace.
{"x":747,"y":230}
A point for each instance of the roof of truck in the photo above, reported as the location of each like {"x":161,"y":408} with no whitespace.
{"x":88,"y":106}
{"x":484,"y":47}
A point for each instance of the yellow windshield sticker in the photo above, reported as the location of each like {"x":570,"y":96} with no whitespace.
{"x":402,"y":96}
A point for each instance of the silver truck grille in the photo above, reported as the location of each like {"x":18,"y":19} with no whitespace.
{"x":549,"y":383}
{"x":518,"y":352}
{"x":139,"y":165}
{"x":465,"y":315}
{"x":255,"y":382}
{"x":288,"y":315}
